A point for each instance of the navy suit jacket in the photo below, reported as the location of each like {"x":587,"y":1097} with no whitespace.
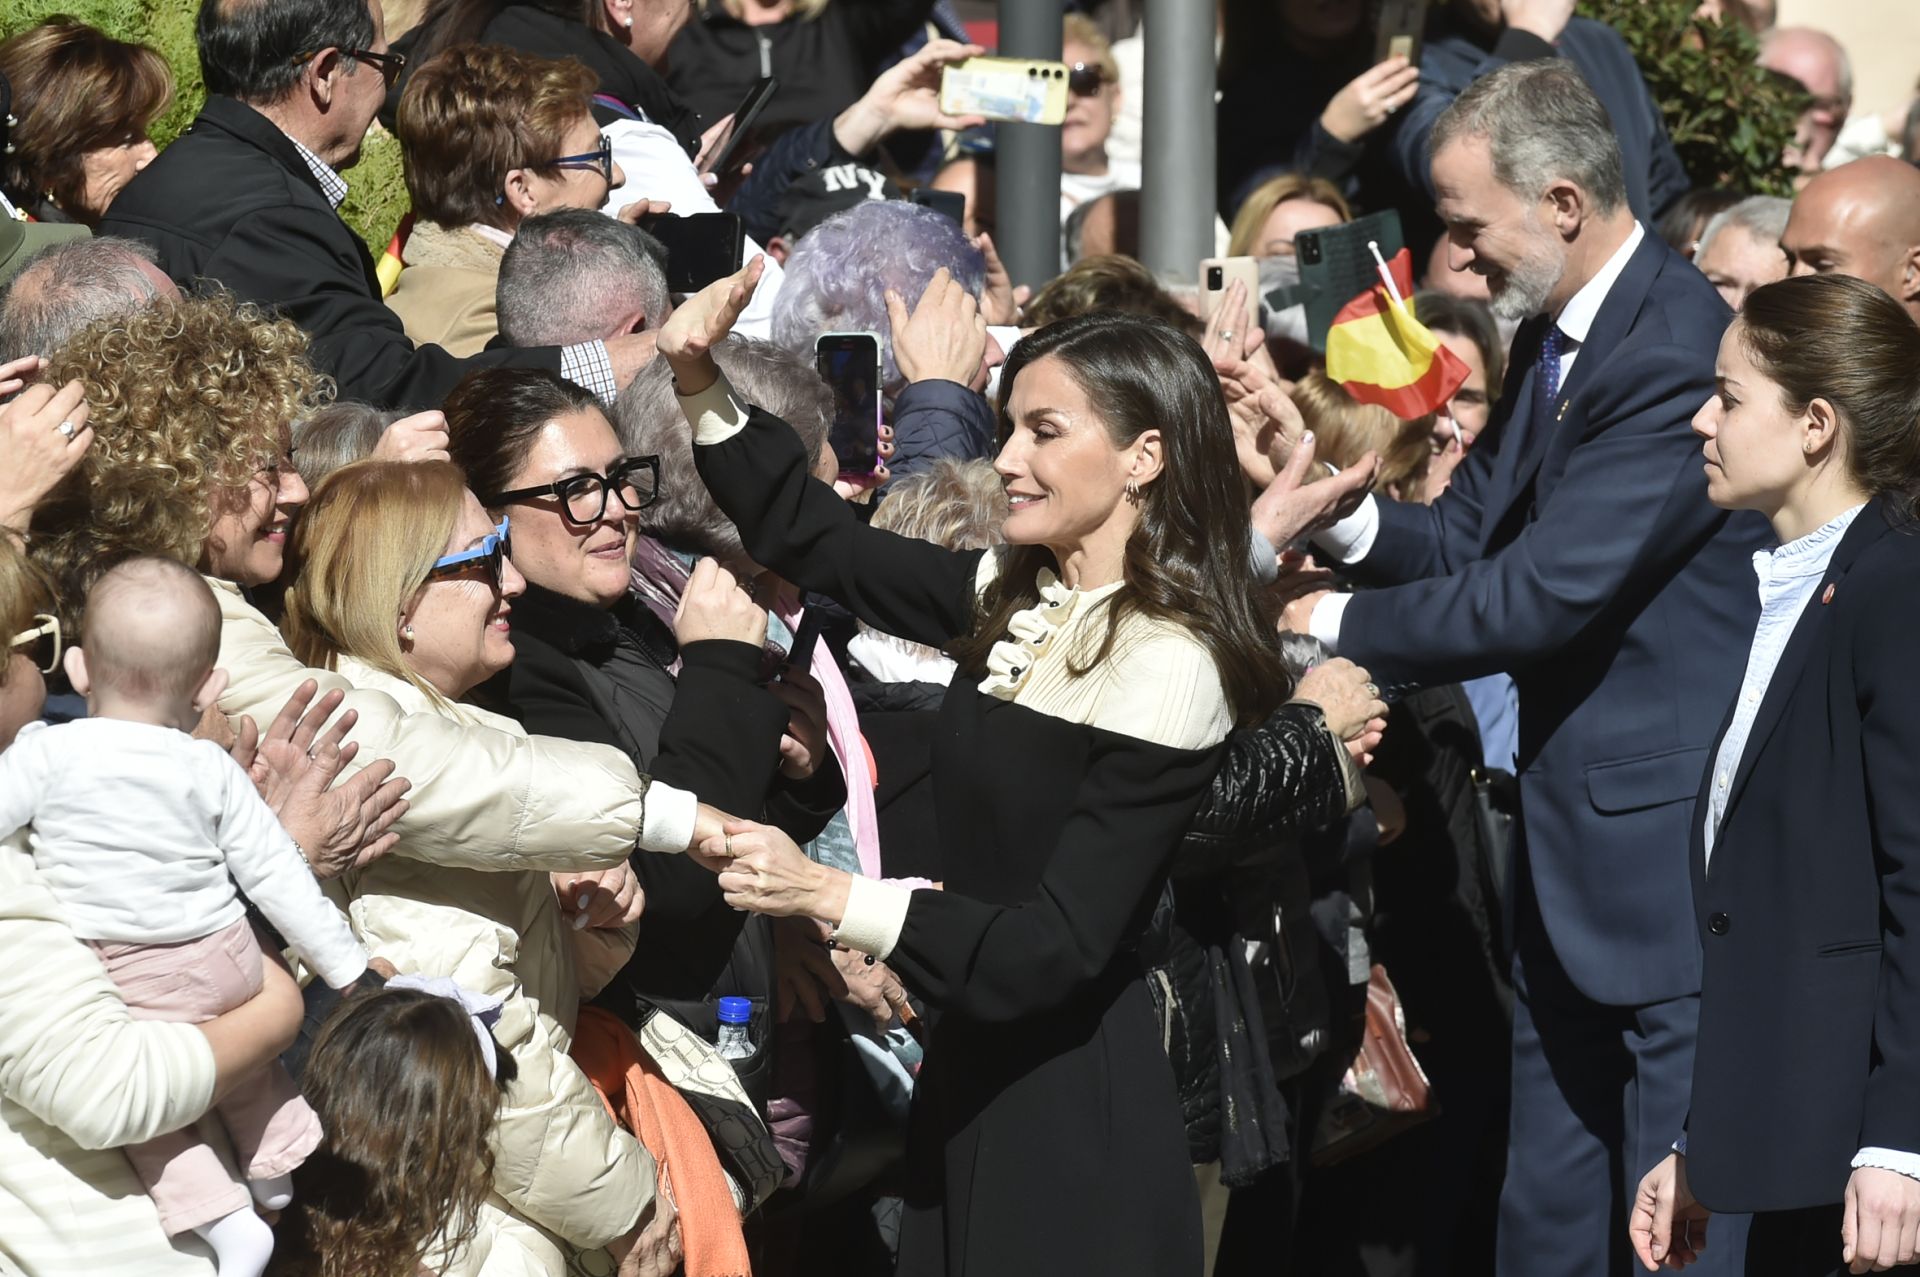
{"x":1454,"y":58}
{"x":1809,"y":1046}
{"x":1581,"y":556}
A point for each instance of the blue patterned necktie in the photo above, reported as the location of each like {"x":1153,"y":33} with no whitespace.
{"x":1546,"y":374}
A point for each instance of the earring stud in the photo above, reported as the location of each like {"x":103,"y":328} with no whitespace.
{"x":406,"y":632}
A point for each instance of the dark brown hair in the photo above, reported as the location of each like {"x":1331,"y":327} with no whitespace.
{"x":1840,"y":339}
{"x":1187,"y":560}
{"x":495,"y":414}
{"x":475,"y":112}
{"x":402,"y":1090}
{"x":1113,"y":284}
{"x":75,"y":89}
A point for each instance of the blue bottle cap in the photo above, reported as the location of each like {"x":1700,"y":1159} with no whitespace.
{"x":735,"y":1010}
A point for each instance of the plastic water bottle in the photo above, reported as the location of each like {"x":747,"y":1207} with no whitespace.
{"x":735,"y":1015}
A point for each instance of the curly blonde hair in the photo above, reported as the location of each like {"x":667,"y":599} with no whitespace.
{"x":189,"y":400}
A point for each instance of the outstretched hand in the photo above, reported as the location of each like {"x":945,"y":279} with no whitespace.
{"x":687,"y":339}
{"x":1291,"y":507}
{"x":340,"y":826}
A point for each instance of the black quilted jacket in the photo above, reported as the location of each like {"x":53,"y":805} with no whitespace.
{"x":1236,"y":865}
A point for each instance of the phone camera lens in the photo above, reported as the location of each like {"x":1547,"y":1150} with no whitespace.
{"x":1216,"y":279}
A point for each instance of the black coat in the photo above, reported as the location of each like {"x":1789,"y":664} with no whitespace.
{"x":231,"y":202}
{"x":1809,"y":1045}
{"x":716,"y":732}
{"x":824,"y":63}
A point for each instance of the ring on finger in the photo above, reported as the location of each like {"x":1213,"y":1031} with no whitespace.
{"x":728,"y":845}
{"x":66,"y":430}
{"x":1373,"y":692}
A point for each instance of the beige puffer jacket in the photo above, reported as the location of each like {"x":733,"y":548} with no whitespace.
{"x":567,"y":1178}
{"x":482,"y":797}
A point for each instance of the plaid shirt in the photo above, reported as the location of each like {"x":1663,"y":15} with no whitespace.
{"x":332,"y":185}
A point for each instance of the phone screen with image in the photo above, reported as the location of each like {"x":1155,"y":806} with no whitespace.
{"x":850,"y":365}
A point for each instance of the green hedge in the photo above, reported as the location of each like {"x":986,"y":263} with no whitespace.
{"x":378,"y":192}
{"x":1729,"y":119}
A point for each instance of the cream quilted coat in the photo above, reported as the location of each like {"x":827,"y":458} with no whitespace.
{"x":567,"y":1179}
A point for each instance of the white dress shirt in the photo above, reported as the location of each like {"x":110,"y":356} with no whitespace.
{"x":1352,"y":538}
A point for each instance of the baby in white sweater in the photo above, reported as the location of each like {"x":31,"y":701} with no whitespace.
{"x":141,"y":832}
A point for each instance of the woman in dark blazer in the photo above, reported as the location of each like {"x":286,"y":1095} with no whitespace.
{"x":1806,"y":843}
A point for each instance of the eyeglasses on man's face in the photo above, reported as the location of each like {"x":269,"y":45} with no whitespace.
{"x":390,"y":65}
{"x":635,"y":483}
{"x":491,"y":554}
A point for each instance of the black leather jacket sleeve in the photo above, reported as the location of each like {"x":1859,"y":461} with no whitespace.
{"x":1286,"y":775}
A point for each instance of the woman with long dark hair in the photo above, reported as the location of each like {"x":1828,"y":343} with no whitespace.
{"x":1806,"y":838}
{"x":1105,"y":653}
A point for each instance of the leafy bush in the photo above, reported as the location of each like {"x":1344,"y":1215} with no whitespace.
{"x":1729,"y":119}
{"x":378,"y":193}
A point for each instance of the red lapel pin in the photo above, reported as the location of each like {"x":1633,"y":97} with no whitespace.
{"x":1827,"y":597}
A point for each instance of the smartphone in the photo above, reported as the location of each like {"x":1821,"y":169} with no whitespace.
{"x":1021,"y":90}
{"x":700,"y":248}
{"x":850,"y":365}
{"x":1336,"y":266}
{"x":1218,"y":274}
{"x":800,"y":651}
{"x":1398,"y":30}
{"x":952,"y":204}
{"x":744,"y":116}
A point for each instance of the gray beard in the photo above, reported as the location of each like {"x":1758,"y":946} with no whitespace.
{"x":1526,"y":290}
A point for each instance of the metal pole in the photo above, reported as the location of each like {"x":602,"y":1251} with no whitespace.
{"x":1176,"y":202}
{"x":1027,"y":156}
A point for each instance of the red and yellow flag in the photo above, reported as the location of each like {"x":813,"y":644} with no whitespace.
{"x":1383,"y":355}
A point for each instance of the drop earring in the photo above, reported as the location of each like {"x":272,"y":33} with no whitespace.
{"x":1133,"y":492}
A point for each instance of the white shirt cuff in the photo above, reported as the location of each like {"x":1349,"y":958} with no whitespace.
{"x":1680,"y":1145}
{"x":1350,"y":540}
{"x":1324,"y":623}
{"x":715,"y":413}
{"x":666,"y":818}
{"x":876,"y":913}
{"x":588,"y":367}
{"x":1889,"y":1159}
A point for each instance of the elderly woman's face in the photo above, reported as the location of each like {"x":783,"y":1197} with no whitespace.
{"x":108,"y":169}
{"x":580,"y":185}
{"x":248,"y":541}
{"x":459,"y":633}
{"x":573,"y":552}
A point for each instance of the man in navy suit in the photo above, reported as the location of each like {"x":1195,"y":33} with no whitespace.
{"x":1576,"y":551}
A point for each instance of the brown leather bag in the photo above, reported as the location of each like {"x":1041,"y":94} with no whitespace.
{"x":1385,"y":1090}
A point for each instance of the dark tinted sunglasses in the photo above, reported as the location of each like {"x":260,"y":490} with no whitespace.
{"x":1084,"y":81}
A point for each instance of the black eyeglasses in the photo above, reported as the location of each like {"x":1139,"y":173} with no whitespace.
{"x":1084,"y":81}
{"x":635,"y":483}
{"x":492,"y":553}
{"x":390,"y":65}
{"x":600,"y":158}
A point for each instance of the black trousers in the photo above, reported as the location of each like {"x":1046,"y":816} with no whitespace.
{"x":1795,"y":1243}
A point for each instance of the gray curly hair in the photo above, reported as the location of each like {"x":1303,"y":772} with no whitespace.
{"x":838,"y":277}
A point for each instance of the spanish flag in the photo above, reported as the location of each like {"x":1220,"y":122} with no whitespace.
{"x":1383,"y":355}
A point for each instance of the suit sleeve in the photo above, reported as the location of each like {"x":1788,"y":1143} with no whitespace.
{"x":1890,"y":753}
{"x":356,"y":338}
{"x":1630,"y":507}
{"x":753,"y":464}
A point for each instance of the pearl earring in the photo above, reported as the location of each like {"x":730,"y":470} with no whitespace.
{"x":406,"y":632}
{"x":627,"y":23}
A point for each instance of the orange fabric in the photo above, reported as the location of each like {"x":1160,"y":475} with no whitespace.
{"x":641,"y":1099}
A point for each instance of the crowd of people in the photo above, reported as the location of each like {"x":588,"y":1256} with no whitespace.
{"x":1159,"y":810}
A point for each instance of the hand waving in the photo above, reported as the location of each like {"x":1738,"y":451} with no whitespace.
{"x":686,"y":341}
{"x":340,"y":826}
